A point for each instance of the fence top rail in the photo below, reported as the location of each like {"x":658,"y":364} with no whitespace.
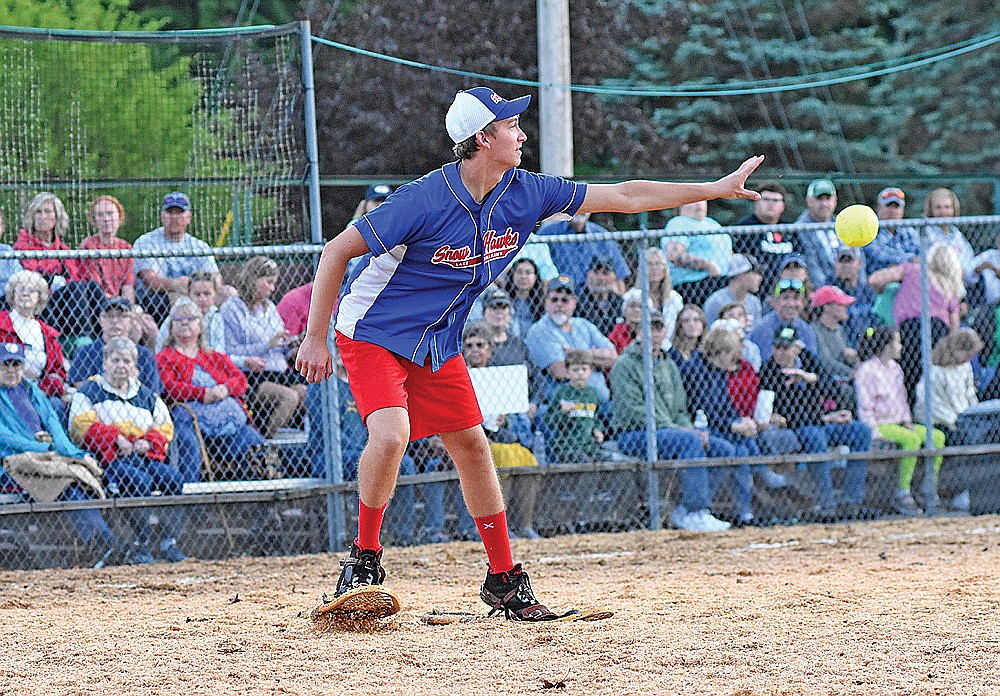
{"x":296,"y":249}
{"x":216,"y":35}
{"x":736,"y":230}
{"x":301,"y":248}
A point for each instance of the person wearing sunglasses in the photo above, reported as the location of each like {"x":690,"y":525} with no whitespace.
{"x":895,"y":243}
{"x":558,"y":331}
{"x":788,"y":300}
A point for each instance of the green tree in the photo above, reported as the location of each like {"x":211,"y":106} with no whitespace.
{"x":947,"y":112}
{"x":88,"y":110}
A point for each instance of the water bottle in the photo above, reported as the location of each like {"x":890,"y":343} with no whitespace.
{"x":701,"y":421}
{"x":538,"y":448}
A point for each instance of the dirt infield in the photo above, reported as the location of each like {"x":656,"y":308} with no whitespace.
{"x":893,"y":607}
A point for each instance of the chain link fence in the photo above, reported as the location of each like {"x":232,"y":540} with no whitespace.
{"x":133,"y":434}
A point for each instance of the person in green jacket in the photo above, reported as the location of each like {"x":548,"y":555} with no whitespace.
{"x":676,"y":438}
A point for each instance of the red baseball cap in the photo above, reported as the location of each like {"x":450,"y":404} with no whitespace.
{"x":830,"y":293}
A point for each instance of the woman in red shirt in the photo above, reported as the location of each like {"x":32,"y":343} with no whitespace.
{"x":116,"y":276}
{"x":74,"y":305}
{"x":211,"y":385}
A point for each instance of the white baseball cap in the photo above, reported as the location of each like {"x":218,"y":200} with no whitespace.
{"x":474,"y":109}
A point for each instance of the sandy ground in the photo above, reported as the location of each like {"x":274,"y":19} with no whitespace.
{"x":907,"y":607}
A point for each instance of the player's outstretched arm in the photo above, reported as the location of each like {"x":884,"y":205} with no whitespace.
{"x":313,"y":359}
{"x":639,"y":195}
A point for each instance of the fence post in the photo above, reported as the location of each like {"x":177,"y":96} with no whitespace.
{"x":652,"y":477}
{"x":930,"y":482}
{"x":312,"y":147}
{"x":332,"y":457}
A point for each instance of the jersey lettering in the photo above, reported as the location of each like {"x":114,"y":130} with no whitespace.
{"x":497,"y":246}
{"x":456,"y":258}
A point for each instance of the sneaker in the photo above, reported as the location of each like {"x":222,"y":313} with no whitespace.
{"x":906,"y":505}
{"x":510,"y":594}
{"x":362,"y":567}
{"x":773,"y":480}
{"x":170,"y":553}
{"x":961,"y":501}
{"x":114,"y":555}
{"x":702,"y":521}
{"x":677,"y":516}
{"x":139,"y":555}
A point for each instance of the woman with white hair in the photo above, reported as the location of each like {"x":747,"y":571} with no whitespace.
{"x":27,"y":294}
{"x":661,"y":289}
{"x":129,"y":428}
{"x":207,"y":385}
{"x":947,"y":288}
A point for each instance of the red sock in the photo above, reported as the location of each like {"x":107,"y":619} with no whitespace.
{"x":493,"y":530}
{"x":369,"y":526}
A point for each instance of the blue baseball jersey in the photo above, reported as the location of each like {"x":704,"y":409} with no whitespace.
{"x":434,"y":249}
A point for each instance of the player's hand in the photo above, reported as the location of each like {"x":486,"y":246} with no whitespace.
{"x":733,"y":185}
{"x":313,"y":360}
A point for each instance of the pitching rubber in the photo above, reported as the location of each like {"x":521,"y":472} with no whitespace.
{"x":437,"y":617}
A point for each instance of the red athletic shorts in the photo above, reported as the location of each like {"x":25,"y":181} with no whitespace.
{"x":437,"y":402}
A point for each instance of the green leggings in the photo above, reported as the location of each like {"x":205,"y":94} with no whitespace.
{"x":911,"y":440}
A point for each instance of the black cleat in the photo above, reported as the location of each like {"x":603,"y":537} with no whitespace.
{"x":362,"y":567}
{"x":510,"y":594}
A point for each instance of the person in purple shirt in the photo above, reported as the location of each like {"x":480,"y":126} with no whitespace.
{"x":429,"y":251}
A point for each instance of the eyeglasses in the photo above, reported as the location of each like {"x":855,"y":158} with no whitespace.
{"x":476,"y":344}
{"x":772,"y":199}
{"x":562,"y":299}
{"x":847,"y":258}
{"x":11,"y":364}
{"x":789,"y":284}
{"x":185,"y":319}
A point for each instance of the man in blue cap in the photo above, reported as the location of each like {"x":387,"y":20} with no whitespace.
{"x":428,"y":252}
{"x":33,"y":440}
{"x":164,"y":277}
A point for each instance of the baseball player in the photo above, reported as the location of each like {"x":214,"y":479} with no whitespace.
{"x":428,"y":252}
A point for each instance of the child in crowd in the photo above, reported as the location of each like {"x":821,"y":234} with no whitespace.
{"x":735,"y":318}
{"x":576,"y":434}
{"x":953,"y":386}
{"x":883,"y":406}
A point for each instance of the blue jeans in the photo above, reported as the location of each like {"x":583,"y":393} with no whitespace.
{"x":698,"y":484}
{"x":818,"y":438}
{"x":229,"y":447}
{"x":735,"y":446}
{"x":137,"y":476}
{"x":434,"y":504}
{"x":88,"y":523}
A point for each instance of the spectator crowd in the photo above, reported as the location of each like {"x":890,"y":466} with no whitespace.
{"x":134,"y":376}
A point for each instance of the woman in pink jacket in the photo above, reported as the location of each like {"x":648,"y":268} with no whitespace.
{"x":883,"y":406}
